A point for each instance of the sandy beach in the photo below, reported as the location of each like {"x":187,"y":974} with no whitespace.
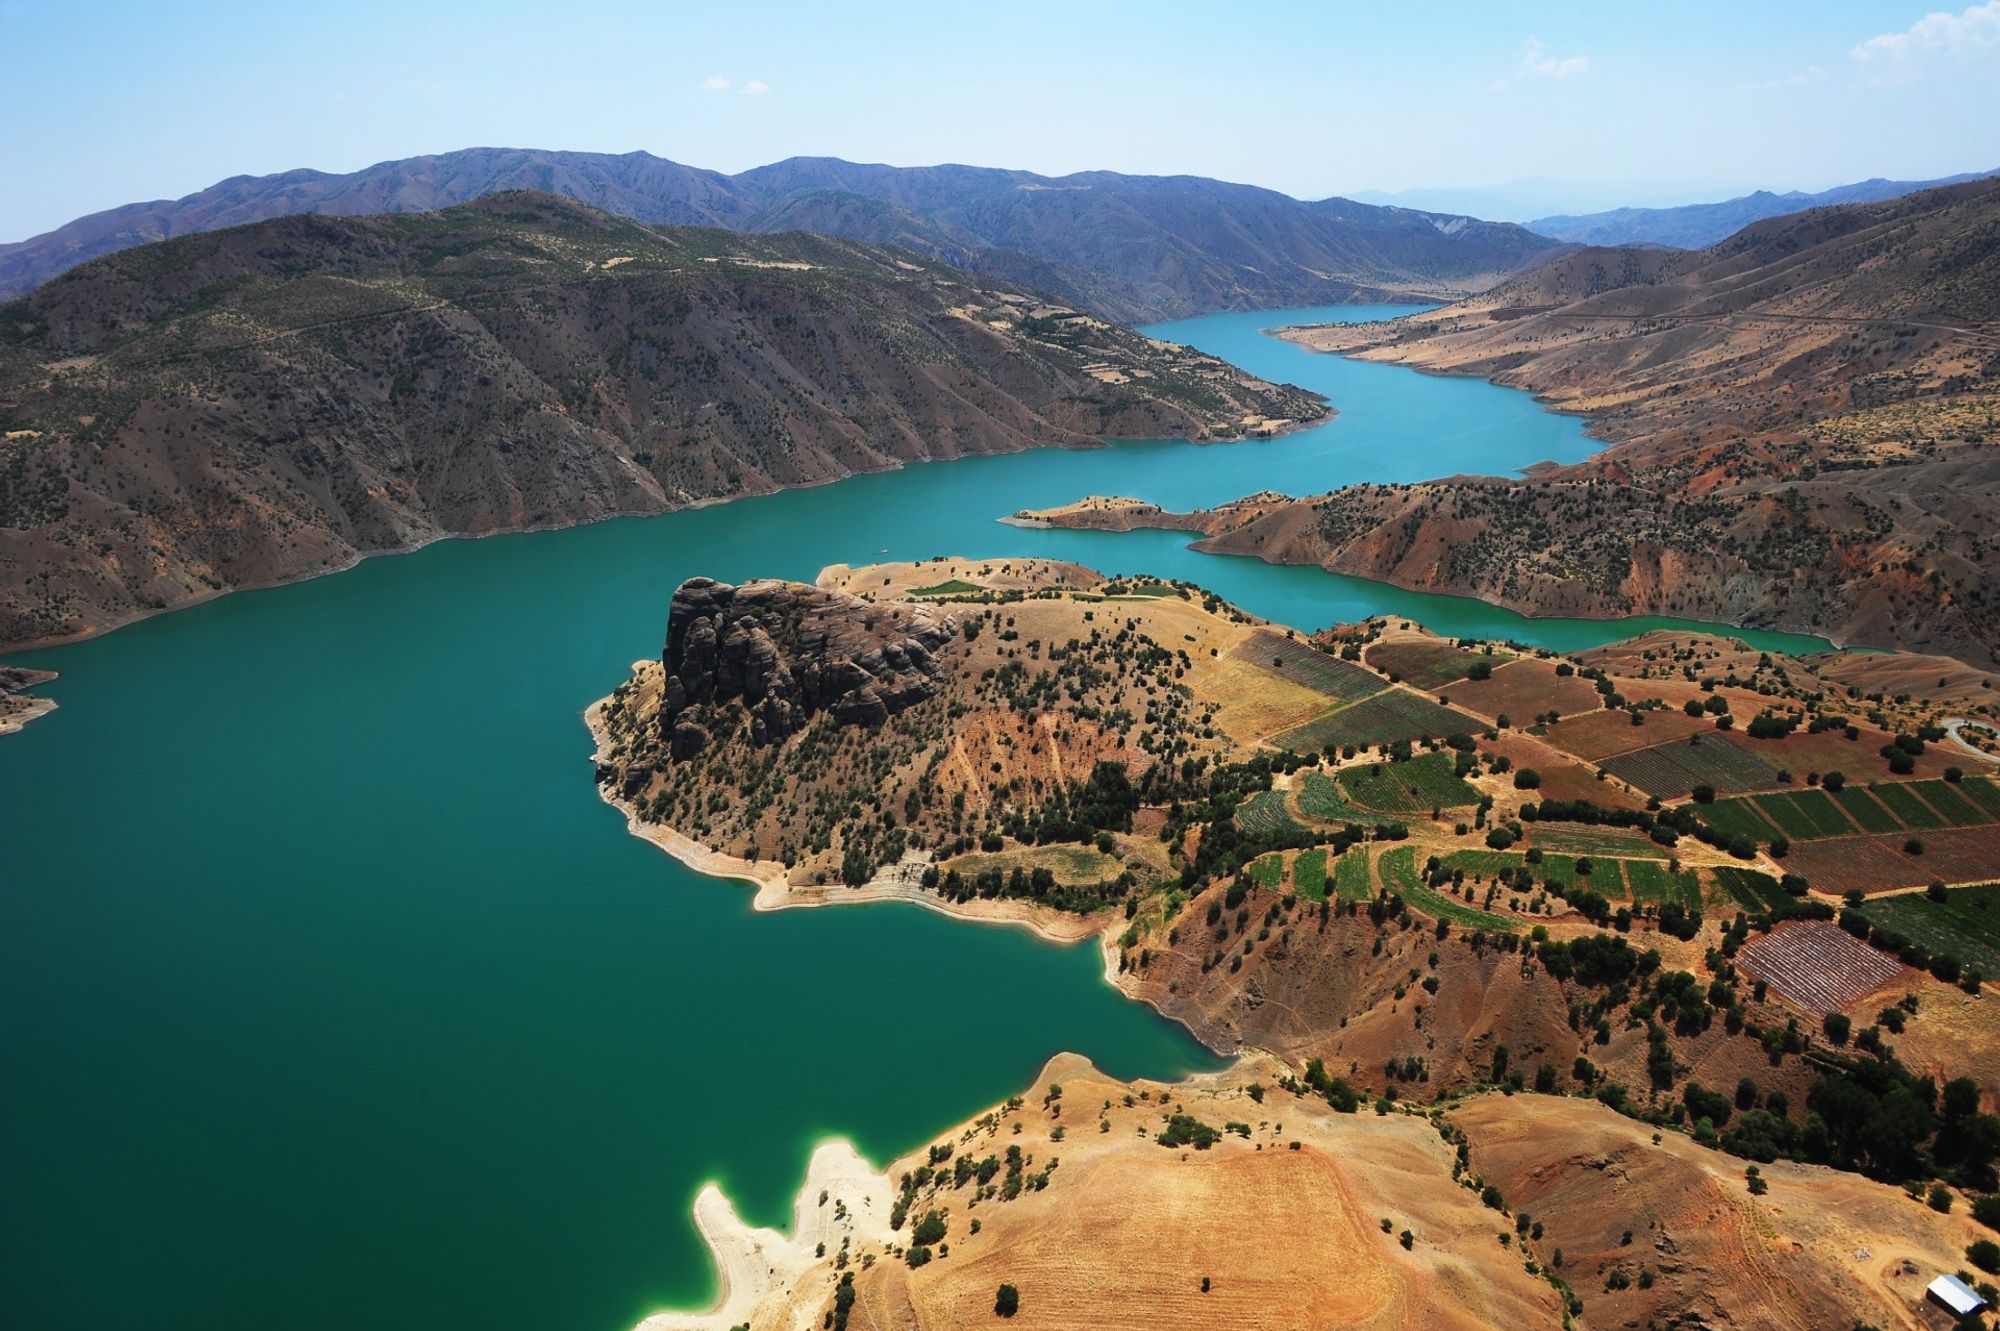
{"x":762,"y":1274}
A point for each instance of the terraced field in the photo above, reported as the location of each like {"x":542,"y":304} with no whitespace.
{"x":1674,"y":769}
{"x":1303,"y":663}
{"x":1584,"y":839}
{"x":1413,"y":787}
{"x":1321,"y":799}
{"x":1353,"y":880}
{"x":1399,"y":875}
{"x":1265,"y":813}
{"x":1395,"y":714}
{"x":1427,"y":665}
{"x":1267,"y":871}
{"x":1966,"y":924}
{"x":1309,"y":875}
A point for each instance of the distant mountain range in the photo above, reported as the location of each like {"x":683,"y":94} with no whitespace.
{"x":1130,"y":248}
{"x":1699,"y":225}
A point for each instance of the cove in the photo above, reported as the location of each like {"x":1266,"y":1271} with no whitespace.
{"x":331,"y":995}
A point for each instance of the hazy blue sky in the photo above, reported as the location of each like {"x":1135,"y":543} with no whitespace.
{"x":113,"y":102}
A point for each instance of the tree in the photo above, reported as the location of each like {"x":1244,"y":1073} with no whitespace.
{"x":930,"y":1229}
{"x":1984,"y":1254}
{"x":1006,"y":1301}
{"x":1837,"y":1027}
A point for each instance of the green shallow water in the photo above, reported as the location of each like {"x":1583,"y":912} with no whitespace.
{"x":332,"y":996}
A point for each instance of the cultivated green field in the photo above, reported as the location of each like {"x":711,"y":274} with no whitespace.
{"x":1952,"y":806}
{"x":1352,"y":878}
{"x":1413,"y":787}
{"x":1265,"y":812}
{"x":1738,"y":817}
{"x":1900,"y":800}
{"x":1309,"y":875}
{"x":1748,"y":888}
{"x":1867,"y":811}
{"x":1583,"y":839}
{"x":1267,"y":870}
{"x":1805,"y":814}
{"x":1321,"y":798}
{"x":1382,"y":719}
{"x":1400,"y":875}
{"x":1965,"y":925}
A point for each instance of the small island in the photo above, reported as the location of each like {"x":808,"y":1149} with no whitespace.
{"x":17,"y":708}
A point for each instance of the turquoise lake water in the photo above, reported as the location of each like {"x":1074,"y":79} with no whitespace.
{"x":331,"y":995}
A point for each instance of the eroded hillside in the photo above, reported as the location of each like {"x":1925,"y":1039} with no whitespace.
{"x":1803,"y":420}
{"x":248,"y":406}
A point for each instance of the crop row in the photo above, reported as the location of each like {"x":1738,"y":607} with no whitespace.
{"x":1675,"y":768}
{"x":1302,"y":663}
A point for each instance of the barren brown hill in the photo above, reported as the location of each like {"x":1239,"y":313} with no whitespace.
{"x":247,"y":406}
{"x":1802,"y":420}
{"x":1230,"y":1201}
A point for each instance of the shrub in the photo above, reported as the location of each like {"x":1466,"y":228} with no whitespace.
{"x":1984,"y":1254}
{"x":1006,"y":1301}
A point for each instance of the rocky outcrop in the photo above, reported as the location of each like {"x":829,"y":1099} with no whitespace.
{"x":770,"y":656}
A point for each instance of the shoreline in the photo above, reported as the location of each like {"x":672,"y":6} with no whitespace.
{"x":1199,"y":544}
{"x":13,"y":723}
{"x":758,"y":1271}
{"x":774,"y":892}
{"x":46,"y":643}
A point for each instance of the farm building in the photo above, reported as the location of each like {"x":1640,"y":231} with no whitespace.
{"x":1955,"y":1295}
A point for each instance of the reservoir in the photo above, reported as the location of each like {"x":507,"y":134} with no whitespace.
{"x":332,"y":996}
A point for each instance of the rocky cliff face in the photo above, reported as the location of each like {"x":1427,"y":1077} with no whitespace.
{"x":770,"y":656}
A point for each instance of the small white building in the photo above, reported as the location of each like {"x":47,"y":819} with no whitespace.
{"x":1954,"y":1294}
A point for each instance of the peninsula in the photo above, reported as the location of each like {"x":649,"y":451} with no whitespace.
{"x":1673,"y":890}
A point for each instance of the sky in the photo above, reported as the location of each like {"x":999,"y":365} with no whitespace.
{"x":1590,"y":104}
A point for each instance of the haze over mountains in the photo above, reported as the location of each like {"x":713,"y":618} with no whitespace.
{"x":1697,"y":225}
{"x":1131,"y":248}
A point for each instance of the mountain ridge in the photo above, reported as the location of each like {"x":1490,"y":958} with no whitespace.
{"x":1131,"y":248}
{"x":1801,"y":421}
{"x":252,"y":405}
{"x":1699,"y":225}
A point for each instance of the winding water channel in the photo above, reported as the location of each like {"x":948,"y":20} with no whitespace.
{"x":331,"y":996}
